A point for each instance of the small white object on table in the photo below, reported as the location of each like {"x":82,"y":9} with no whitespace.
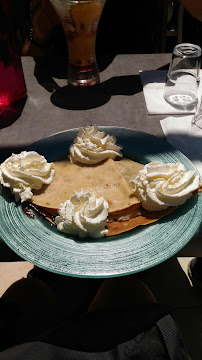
{"x":153,"y":82}
{"x":185,"y":136}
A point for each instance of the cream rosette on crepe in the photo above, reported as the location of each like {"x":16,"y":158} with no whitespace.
{"x":83,"y":215}
{"x":24,"y":172}
{"x":159,"y":185}
{"x":92,"y":146}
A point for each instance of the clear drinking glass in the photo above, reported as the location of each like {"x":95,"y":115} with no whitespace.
{"x":80,"y":19}
{"x":181,"y":88}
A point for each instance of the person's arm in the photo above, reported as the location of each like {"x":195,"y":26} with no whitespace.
{"x":44,"y":19}
{"x":194,"y":7}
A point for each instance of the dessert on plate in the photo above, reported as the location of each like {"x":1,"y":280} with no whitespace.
{"x":95,"y":191}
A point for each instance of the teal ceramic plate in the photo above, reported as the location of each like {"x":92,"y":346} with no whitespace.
{"x":40,"y":243}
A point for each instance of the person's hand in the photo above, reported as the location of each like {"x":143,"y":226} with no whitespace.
{"x":44,"y":19}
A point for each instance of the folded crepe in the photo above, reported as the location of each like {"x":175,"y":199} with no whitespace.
{"x":104,"y":179}
{"x":132,"y":218}
{"x":110,"y":179}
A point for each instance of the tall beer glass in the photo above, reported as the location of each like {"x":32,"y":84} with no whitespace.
{"x":80,"y":19}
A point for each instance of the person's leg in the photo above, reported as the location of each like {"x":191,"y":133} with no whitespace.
{"x":42,"y":289}
{"x":122,"y":308}
{"x":121,"y":293}
{"x":27,"y":308}
{"x":30,"y":292}
{"x":129,"y":314}
{"x":40,"y":302}
{"x":72,"y":294}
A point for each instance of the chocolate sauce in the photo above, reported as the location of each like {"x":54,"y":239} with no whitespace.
{"x":28,"y":212}
{"x":43,"y":213}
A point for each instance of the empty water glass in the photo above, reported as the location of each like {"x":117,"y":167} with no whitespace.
{"x":181,"y":88}
{"x":197,"y":118}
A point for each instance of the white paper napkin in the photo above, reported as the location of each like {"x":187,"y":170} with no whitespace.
{"x":153,"y":82}
{"x":185,"y":137}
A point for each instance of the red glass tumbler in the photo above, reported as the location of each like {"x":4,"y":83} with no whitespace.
{"x":12,"y":83}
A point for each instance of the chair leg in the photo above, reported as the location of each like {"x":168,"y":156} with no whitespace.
{"x":180,"y":24}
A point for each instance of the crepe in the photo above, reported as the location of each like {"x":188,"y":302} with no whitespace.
{"x":110,"y":179}
{"x":103,"y":179}
{"x":131,"y":218}
{"x":129,"y":169}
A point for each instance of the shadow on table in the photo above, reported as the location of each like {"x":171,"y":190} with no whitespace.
{"x":9,"y":114}
{"x":48,"y":68}
{"x":6,"y":254}
{"x":76,"y":98}
{"x":164,"y":67}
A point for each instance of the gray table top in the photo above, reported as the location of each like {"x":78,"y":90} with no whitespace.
{"x":121,"y":95}
{"x":117,"y":101}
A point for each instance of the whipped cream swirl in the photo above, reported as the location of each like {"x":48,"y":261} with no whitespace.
{"x":158,"y":185}
{"x":92,"y":146}
{"x":83,"y":215}
{"x":24,"y":172}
